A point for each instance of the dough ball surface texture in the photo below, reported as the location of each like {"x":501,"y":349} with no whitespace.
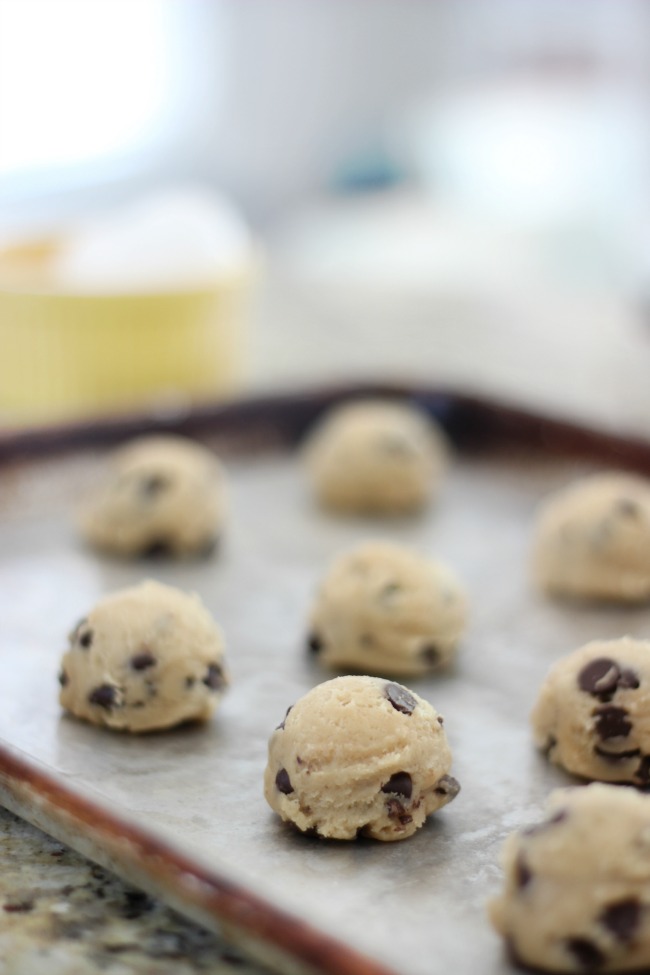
{"x":383,"y":609}
{"x":593,"y":712}
{"x":359,"y":756}
{"x":375,"y":457}
{"x":593,"y":540}
{"x":144,"y":658}
{"x":577,"y":885}
{"x":162,"y":496}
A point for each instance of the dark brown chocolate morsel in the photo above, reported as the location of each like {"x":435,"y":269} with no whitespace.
{"x":141,"y":661}
{"x":74,"y":633}
{"x":523,"y":873}
{"x":280,"y":727}
{"x":448,"y":786}
{"x":63,"y":678}
{"x":214,"y":678}
{"x":314,"y":643}
{"x":617,"y":756}
{"x":549,"y":745}
{"x":401,"y":699}
{"x":612,"y":722}
{"x":628,"y":679}
{"x":153,"y":485}
{"x":283,"y":782}
{"x":159,"y":548}
{"x":588,"y":955}
{"x":430,"y":654}
{"x":103,"y":696}
{"x":397,"y":811}
{"x":599,"y":677}
{"x":85,"y":639}
{"x":400,"y":784}
{"x":622,"y":918}
{"x":643,"y":771}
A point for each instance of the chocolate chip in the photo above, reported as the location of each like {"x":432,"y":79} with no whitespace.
{"x":143,"y":660}
{"x":280,"y":727}
{"x":214,"y":678}
{"x":622,"y":918}
{"x":283,"y":782}
{"x":599,"y":677}
{"x":643,"y":771}
{"x":152,"y":486}
{"x":86,"y":639}
{"x":397,"y":811}
{"x":448,"y":786}
{"x":628,"y":508}
{"x":63,"y":678}
{"x":553,"y":820}
{"x":612,"y":722}
{"x":523,"y":873}
{"x":628,"y":679}
{"x":617,"y":756}
{"x":400,"y":698}
{"x":190,"y":681}
{"x":314,"y":643}
{"x":586,"y":953}
{"x":103,"y":696}
{"x":159,"y":548}
{"x":549,"y":745}
{"x":400,"y":784}
{"x":430,"y":654}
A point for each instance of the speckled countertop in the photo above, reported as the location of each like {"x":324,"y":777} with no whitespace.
{"x":63,"y":914}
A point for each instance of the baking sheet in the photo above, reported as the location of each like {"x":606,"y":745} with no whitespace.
{"x":416,"y":906}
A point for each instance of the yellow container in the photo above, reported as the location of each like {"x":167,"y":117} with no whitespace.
{"x":76,"y":356}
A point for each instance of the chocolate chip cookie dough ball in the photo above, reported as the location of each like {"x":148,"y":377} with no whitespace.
{"x":144,"y":658}
{"x":593,"y":712}
{"x":593,"y":540}
{"x":359,"y":756}
{"x":375,"y":457}
{"x":383,"y":609}
{"x":577,"y":885}
{"x":162,"y":496}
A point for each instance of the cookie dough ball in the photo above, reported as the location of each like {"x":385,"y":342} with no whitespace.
{"x":577,"y":885}
{"x":593,"y":712}
{"x":593,"y":540}
{"x":162,"y":496}
{"x":359,"y":756}
{"x":144,"y":658}
{"x":375,"y":457}
{"x":383,"y":609}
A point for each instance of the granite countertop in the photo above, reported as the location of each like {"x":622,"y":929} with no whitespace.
{"x":63,"y":914}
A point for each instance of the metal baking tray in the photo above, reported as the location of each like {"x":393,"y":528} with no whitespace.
{"x":181,"y":813}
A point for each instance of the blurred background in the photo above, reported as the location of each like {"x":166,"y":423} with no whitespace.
{"x":442,"y":192}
